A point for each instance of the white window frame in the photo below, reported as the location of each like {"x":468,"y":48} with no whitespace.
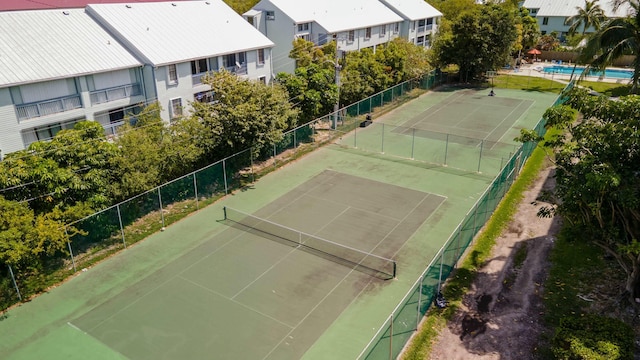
{"x":367,"y":33}
{"x":172,"y":74}
{"x":383,"y":30}
{"x":176,"y":107}
{"x":303,"y":27}
{"x":396,"y":28}
{"x":263,"y":79}
{"x":260,"y":56}
{"x":351,"y":36}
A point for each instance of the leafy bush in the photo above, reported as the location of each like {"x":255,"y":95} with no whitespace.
{"x":593,"y":337}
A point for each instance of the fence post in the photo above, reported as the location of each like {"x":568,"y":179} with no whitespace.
{"x":446,"y":149}
{"x":253,"y":179}
{"x":15,"y":284}
{"x":383,"y":138}
{"x":355,"y":137}
{"x":480,"y":157}
{"x":161,"y":209}
{"x":413,"y":141}
{"x":419,"y":301}
{"x":73,"y":261}
{"x":195,"y":190}
{"x":224,"y":176}
{"x":391,"y":338}
{"x":121,"y":227}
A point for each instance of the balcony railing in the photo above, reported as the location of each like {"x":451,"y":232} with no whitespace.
{"x":48,"y":107}
{"x":112,"y":129}
{"x":115,"y":93}
{"x":238,"y":70}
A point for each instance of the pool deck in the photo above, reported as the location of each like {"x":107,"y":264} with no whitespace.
{"x":534,"y":70}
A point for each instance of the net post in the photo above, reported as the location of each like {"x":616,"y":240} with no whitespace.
{"x":395,"y":266}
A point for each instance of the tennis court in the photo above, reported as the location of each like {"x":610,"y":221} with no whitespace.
{"x":464,"y":129}
{"x":252,"y":291}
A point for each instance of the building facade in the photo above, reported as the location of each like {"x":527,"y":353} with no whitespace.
{"x":420,"y":20}
{"x":355,"y":25}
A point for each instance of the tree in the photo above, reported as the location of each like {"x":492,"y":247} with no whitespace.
{"x":591,"y":15}
{"x":480,"y":40}
{"x":597,"y":183}
{"x":528,"y":30}
{"x":548,"y":42}
{"x":26,"y":238}
{"x":70,"y":173}
{"x":312,"y":87}
{"x":362,"y":76}
{"x":618,"y":37}
{"x":451,"y":9}
{"x":152,"y":152}
{"x":244,"y":114}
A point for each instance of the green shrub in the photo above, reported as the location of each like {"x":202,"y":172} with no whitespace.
{"x":593,"y":337}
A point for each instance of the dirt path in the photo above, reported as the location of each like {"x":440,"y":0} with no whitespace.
{"x":500,"y":316}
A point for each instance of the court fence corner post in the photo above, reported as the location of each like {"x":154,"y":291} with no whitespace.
{"x":391,"y":338}
{"x":195,"y":191}
{"x":73,"y":261}
{"x":161,"y":208}
{"x":124,"y":242}
{"x":480,"y":155}
{"x":15,"y":284}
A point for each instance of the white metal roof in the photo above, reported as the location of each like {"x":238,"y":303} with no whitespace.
{"x":338,"y":15}
{"x":41,"y":45}
{"x":413,"y":9}
{"x":568,"y":7}
{"x":166,"y":32}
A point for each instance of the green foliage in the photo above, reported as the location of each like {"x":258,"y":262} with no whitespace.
{"x":71,"y":170}
{"x":548,"y":42}
{"x":241,"y":6}
{"x":451,"y":9}
{"x":618,"y":37}
{"x":244,"y":114}
{"x":312,"y":87}
{"x":528,"y":30}
{"x":593,"y":337}
{"x":480,"y":40}
{"x":26,"y":238}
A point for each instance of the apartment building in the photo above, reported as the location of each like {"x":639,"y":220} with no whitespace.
{"x":420,"y":20}
{"x":179,"y":42}
{"x":354,"y":24}
{"x":553,"y":15}
{"x":58,"y":67}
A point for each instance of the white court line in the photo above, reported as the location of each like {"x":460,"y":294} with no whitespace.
{"x":235,"y":301}
{"x":520,"y":117}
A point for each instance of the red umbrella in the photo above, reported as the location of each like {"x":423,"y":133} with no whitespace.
{"x":535,"y":52}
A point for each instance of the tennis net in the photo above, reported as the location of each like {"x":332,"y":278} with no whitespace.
{"x":363,"y":261}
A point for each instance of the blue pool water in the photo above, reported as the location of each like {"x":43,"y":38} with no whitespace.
{"x":609,"y":73}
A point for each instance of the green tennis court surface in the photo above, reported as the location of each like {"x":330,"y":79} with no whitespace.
{"x":242,"y":295}
{"x":205,"y":288}
{"x":464,"y":129}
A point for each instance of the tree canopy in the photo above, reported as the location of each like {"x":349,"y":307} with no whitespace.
{"x":597,"y":182}
{"x":479,"y":41}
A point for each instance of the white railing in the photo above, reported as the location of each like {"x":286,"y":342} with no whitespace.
{"x":48,"y":107}
{"x":114,"y":93}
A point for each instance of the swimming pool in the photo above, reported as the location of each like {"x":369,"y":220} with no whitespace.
{"x":609,"y":73}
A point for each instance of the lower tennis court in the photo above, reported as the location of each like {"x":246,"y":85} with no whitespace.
{"x":270,"y":283}
{"x":461,"y":128}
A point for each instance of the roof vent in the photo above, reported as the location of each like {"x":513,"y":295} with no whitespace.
{"x":174,"y":4}
{"x":128,"y":6}
{"x":65,"y":12}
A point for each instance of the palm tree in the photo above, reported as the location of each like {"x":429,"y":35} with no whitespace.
{"x":620,"y":36}
{"x":590,"y":15}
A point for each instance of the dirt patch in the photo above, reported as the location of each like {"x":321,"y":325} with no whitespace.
{"x":500,"y":317}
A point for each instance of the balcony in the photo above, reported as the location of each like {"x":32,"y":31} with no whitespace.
{"x":238,"y":70}
{"x":48,"y":107}
{"x":114,"y":93}
{"x":112,"y":129}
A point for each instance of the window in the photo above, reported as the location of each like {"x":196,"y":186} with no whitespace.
{"x":270,"y":15}
{"x":204,"y":96}
{"x":352,"y":36}
{"x":176,"y":108}
{"x":420,"y":41}
{"x":199,"y":66}
{"x":396,"y":28}
{"x":229,"y":60}
{"x":383,"y":30}
{"x":429,"y":22}
{"x":250,"y":20}
{"x":421,"y":25}
{"x":545,"y":20}
{"x":263,"y":79}
{"x":367,"y":33}
{"x":303,"y":27}
{"x":260,"y":56}
{"x":172,"y":74}
{"x":534,"y":12}
{"x":413,"y":26}
{"x":305,"y":37}
{"x":543,"y":32}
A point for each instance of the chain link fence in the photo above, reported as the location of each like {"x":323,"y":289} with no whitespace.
{"x":103,"y":233}
{"x":404,"y":320}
